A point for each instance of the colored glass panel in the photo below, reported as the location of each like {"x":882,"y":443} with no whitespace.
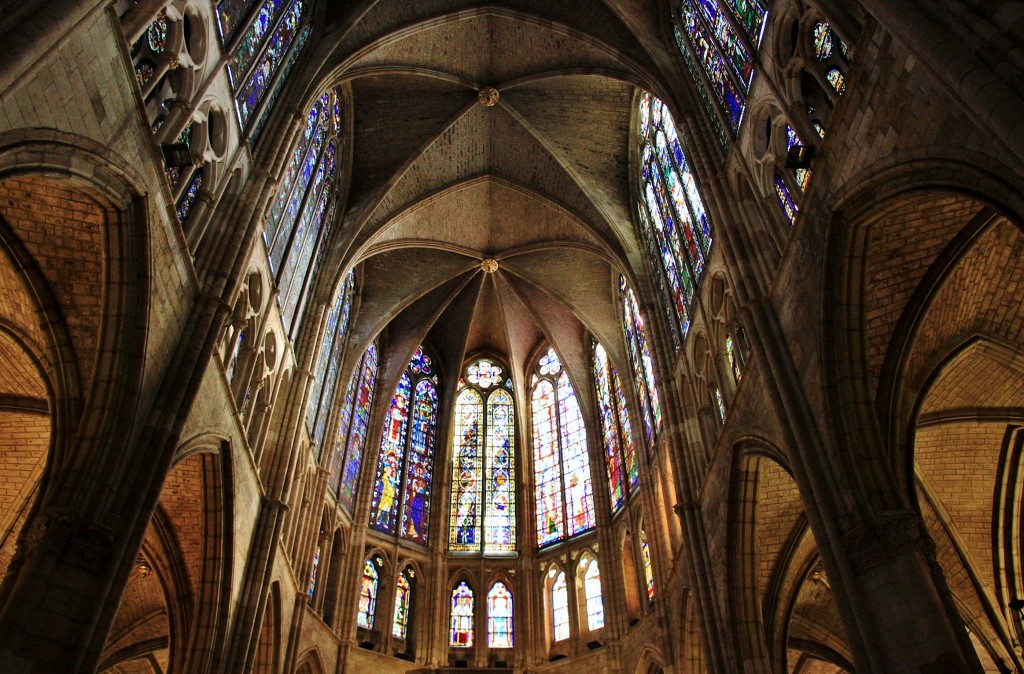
{"x":231,"y":15}
{"x":483,"y":373}
{"x":499,"y":617}
{"x":299,"y":160}
{"x":312,"y":575}
{"x":188,"y":199}
{"x":467,"y":468}
{"x":616,"y":432}
{"x":560,"y":607}
{"x":367,"y":595}
{"x":403,"y":598}
{"x":626,"y":426}
{"x":641,"y":363}
{"x":802,"y":175}
{"x":714,"y":66}
{"x":384,"y":505}
{"x":592,"y":592}
{"x":822,"y":41}
{"x":579,"y":489}
{"x":332,"y":348}
{"x":461,"y":635}
{"x":249,"y":44}
{"x":286,"y":70}
{"x":836,"y":79}
{"x":786,"y":203}
{"x":500,"y":509}
{"x":357,"y":429}
{"x":645,"y":551}
{"x":420,"y":471}
{"x":731,"y":355}
{"x":719,"y":404}
{"x":709,"y":107}
{"x":751,"y":16}
{"x":546,"y":468}
{"x":156,"y":36}
{"x":344,"y":422}
{"x":420,"y":362}
{"x":250,"y":94}
{"x":735,"y":51}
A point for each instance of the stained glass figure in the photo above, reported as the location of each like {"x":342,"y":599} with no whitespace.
{"x":231,"y":14}
{"x":786,"y":203}
{"x":645,"y":551}
{"x":822,"y":41}
{"x":836,"y":79}
{"x":674,"y":224}
{"x":733,"y":358}
{"x":561,"y":463}
{"x":592,"y":592}
{"x":560,"y":607}
{"x":499,"y":617}
{"x":483,"y":506}
{"x":328,"y":363}
{"x":461,"y":635}
{"x":351,"y":438}
{"x":189,"y":197}
{"x":405,"y":462}
{"x":403,"y":600}
{"x":803,"y":175}
{"x":156,"y":36}
{"x":616,"y":431}
{"x":642,"y":366}
{"x":312,"y":575}
{"x":301,"y":214}
{"x":368,"y":595}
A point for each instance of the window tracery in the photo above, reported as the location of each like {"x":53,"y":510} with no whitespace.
{"x":616,"y":430}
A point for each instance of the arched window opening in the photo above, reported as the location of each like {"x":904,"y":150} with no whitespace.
{"x":261,"y":37}
{"x":499,"y":617}
{"x":461,"y":635}
{"x":328,"y":363}
{"x":406,"y":461}
{"x":616,"y":430}
{"x":641,"y":363}
{"x":645,"y":554}
{"x":312,"y":575}
{"x":733,"y":356}
{"x":368,"y":595}
{"x":303,"y":209}
{"x":559,"y":606}
{"x":718,"y":40}
{"x":785,"y":200}
{"x":351,"y":435}
{"x":561,"y":463}
{"x":403,"y":604}
{"x":673,"y":221}
{"x":483,"y":495}
{"x":592,"y":592}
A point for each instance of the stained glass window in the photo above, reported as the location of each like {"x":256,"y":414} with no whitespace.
{"x":641,"y":364}
{"x":822,"y":41}
{"x":302,"y":212}
{"x":592,"y":592}
{"x":561,"y":464}
{"x":733,"y":357}
{"x":836,"y":79}
{"x":721,"y":36}
{"x":719,"y":403}
{"x":560,"y":607}
{"x":673,"y":221}
{"x":786,"y":203}
{"x":645,"y":551}
{"x":328,"y":363}
{"x":616,"y":430}
{"x":406,"y":461}
{"x":259,"y":35}
{"x":403,"y":600}
{"x":461,"y":635}
{"x":483,"y":506}
{"x":368,"y":595}
{"x":312,"y":575}
{"x":499,"y":616}
{"x":803,"y":175}
{"x":351,"y":437}
{"x":188,"y":198}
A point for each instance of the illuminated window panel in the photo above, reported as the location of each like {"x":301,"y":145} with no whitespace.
{"x":461,"y":634}
{"x":500,"y":509}
{"x":355,"y":439}
{"x":328,"y":363}
{"x":592,"y":592}
{"x":499,"y":617}
{"x":645,"y":551}
{"x":802,"y":175}
{"x":835,"y":77}
{"x":616,"y":431}
{"x":642,"y":366}
{"x":403,"y":600}
{"x":786,"y":203}
{"x":367,"y":595}
{"x":467,"y":468}
{"x":560,"y":607}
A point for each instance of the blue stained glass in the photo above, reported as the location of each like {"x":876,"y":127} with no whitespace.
{"x":802,"y":175}
{"x":250,"y":94}
{"x":620,"y":462}
{"x":640,"y":359}
{"x":786,"y":203}
{"x":709,"y":107}
{"x":736,"y":53}
{"x":286,"y":70}
{"x":467,"y":460}
{"x":420,"y":362}
{"x":546,"y":468}
{"x":693,"y":200}
{"x":750,"y":16}
{"x":357,"y":430}
{"x":345,"y":420}
{"x":290,"y":173}
{"x":714,"y":67}
{"x":500,"y":505}
{"x":420,"y":474}
{"x":386,"y":492}
{"x":191,"y":194}
{"x":279,"y":245}
{"x":628,"y":446}
{"x":230,"y":16}
{"x":252,"y":39}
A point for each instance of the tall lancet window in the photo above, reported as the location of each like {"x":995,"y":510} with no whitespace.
{"x":302,"y":211}
{"x":717,"y":39}
{"x":483,"y":500}
{"x":405,"y":467}
{"x":561,"y":464}
{"x":263,"y":38}
{"x":616,"y":430}
{"x":674,"y":224}
{"x":328,"y":362}
{"x":352,"y":424}
{"x":641,"y":364}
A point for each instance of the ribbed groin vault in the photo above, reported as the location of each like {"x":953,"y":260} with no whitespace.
{"x":639,"y":336}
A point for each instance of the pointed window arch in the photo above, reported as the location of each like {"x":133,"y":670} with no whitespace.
{"x":461,"y":635}
{"x":559,"y":606}
{"x":616,"y":430}
{"x":592,"y":592}
{"x":641,"y":364}
{"x":328,"y":363}
{"x":368,"y":595}
{"x":405,"y":465}
{"x":303,"y":209}
{"x":351,"y":436}
{"x":403,"y":603}
{"x":483,"y":506}
{"x":673,"y":221}
{"x":645,"y":553}
{"x":499,"y":617}
{"x":561,"y":464}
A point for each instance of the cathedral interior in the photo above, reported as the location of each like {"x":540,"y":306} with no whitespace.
{"x":532,"y":336}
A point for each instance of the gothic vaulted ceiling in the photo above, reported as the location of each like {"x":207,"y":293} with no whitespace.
{"x":537,"y":181}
